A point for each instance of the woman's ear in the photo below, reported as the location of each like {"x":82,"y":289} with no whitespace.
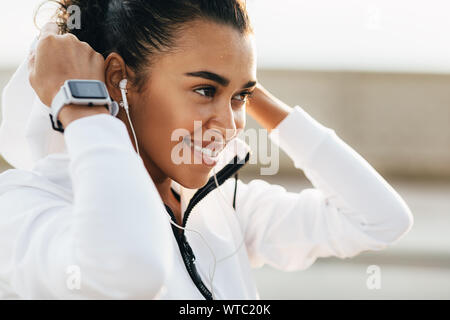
{"x":115,"y":71}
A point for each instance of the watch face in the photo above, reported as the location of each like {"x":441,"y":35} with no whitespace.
{"x":87,"y":90}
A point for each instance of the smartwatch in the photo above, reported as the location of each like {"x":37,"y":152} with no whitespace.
{"x":82,"y":92}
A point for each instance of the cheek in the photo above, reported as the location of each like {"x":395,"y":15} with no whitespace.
{"x":164,"y":113}
{"x":240,"y":119}
{"x":157,"y":121}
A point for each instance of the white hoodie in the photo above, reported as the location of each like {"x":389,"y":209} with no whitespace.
{"x":80,"y":217}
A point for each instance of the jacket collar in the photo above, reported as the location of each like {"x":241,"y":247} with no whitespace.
{"x":235,"y":155}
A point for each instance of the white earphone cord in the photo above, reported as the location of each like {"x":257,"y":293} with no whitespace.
{"x":124,"y":104}
{"x":211,"y":277}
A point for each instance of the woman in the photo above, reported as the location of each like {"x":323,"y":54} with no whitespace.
{"x":84,"y":215}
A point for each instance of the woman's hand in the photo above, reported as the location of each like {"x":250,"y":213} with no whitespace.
{"x":266,"y":109}
{"x":58,"y":58}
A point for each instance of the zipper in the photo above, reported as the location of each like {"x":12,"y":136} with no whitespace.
{"x":232,"y":167}
{"x":189,"y":259}
{"x":185,"y":249}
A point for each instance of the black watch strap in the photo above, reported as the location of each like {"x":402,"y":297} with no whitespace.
{"x":59,"y":126}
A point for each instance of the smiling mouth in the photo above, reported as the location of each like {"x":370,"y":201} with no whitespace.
{"x":211,"y":149}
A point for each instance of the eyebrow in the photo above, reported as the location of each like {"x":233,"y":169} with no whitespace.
{"x":217,"y":78}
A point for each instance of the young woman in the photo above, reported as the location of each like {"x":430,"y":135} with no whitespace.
{"x":101,"y":210}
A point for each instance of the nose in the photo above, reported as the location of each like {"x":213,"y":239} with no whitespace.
{"x":223,"y":121}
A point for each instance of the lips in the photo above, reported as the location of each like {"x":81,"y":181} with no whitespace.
{"x":209,"y":149}
{"x":212,"y":146}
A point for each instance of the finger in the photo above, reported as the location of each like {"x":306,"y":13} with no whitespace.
{"x":49,"y":28}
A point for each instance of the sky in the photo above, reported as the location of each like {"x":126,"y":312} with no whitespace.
{"x":354,"y":35}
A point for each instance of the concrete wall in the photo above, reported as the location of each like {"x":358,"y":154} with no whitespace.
{"x":398,"y":122}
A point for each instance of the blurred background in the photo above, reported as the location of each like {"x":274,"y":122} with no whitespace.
{"x":378,"y":73}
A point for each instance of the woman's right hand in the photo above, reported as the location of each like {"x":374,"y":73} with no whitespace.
{"x":58,"y":58}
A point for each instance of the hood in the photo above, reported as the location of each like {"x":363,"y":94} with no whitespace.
{"x":25,"y":132}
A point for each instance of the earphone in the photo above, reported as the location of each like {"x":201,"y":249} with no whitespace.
{"x":124,"y":104}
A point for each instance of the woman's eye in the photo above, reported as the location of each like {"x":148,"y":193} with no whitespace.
{"x":207,"y":92}
{"x":244,"y":96}
{"x":211,"y":91}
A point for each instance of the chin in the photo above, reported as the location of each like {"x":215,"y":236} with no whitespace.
{"x":193,"y":180}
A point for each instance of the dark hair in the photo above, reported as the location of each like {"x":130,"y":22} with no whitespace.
{"x":138,"y":29}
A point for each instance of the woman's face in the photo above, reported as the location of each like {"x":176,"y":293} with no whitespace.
{"x":207,"y":79}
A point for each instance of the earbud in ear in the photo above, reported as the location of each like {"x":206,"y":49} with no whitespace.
{"x":123,"y":84}
{"x":123,"y":90}
{"x":124,"y":104}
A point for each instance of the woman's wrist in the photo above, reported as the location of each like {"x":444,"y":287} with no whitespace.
{"x":72,"y":112}
{"x":266,"y":109}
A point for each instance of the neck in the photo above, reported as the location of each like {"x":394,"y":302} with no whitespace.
{"x":161,"y":180}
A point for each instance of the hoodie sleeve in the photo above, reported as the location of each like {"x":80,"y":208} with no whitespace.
{"x":112,"y":242}
{"x":350,"y":209}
